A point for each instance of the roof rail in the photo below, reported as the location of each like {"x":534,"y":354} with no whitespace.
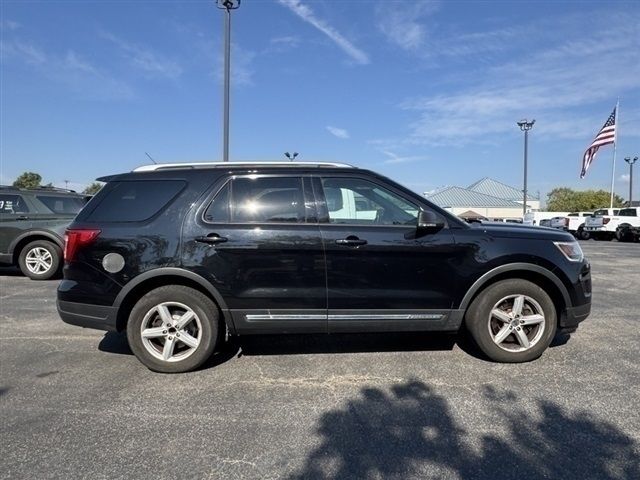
{"x":167,"y":166}
{"x":39,"y":187}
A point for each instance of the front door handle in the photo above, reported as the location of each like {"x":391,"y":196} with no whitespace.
{"x":351,"y":241}
{"x":212,"y":239}
{"x":22,"y":217}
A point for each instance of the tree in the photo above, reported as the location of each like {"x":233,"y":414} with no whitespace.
{"x":28,"y":180}
{"x":563,"y":199}
{"x":93,"y":188}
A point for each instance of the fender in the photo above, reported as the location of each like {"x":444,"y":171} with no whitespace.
{"x":510,"y":267}
{"x":176,"y":272}
{"x":32,"y":233}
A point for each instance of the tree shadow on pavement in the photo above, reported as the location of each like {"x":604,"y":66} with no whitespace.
{"x":410,"y":432}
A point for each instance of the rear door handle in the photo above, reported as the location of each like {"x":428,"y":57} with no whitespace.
{"x":212,"y":239}
{"x":351,"y":241}
{"x":22,"y":217}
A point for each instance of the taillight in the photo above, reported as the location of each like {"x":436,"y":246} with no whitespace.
{"x":76,"y":239}
{"x":605,"y":221}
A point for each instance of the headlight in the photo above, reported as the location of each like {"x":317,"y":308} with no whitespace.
{"x":571,"y":250}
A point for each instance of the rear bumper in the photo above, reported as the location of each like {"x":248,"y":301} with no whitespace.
{"x":572,"y":317}
{"x":87,"y":315}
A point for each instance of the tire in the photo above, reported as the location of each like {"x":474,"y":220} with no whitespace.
{"x":40,"y":260}
{"x":485,"y":326}
{"x":172,"y":303}
{"x":582,"y":234}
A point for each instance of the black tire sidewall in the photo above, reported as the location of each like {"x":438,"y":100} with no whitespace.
{"x":56,"y":259}
{"x":478,"y":312}
{"x":204,"y":308}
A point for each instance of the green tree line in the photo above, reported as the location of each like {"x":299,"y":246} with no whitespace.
{"x":34,"y":180}
{"x":563,"y":199}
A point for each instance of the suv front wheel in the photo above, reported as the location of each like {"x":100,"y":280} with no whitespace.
{"x":40,"y":260}
{"x":173,"y":329}
{"x":512,"y":321}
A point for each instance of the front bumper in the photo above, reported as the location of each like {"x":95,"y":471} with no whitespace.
{"x":87,"y":315}
{"x":572,"y":317}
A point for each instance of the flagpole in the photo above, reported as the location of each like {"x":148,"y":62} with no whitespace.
{"x":615,"y":147}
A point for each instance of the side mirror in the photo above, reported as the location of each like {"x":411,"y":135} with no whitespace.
{"x":429,"y":222}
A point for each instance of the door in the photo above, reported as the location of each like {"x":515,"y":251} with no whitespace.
{"x":15,"y":217}
{"x":259,"y":244}
{"x":382,"y":275}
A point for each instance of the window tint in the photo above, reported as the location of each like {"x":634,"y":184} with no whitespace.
{"x":356,"y":201}
{"x":12,"y":204}
{"x":627,"y":212}
{"x":135,"y":201}
{"x":218,"y":211}
{"x":60,"y":204}
{"x":267,"y":199}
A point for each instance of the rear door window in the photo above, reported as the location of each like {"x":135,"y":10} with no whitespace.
{"x":135,"y":201}
{"x":259,"y":200}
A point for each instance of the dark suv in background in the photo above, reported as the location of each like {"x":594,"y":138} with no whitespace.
{"x":178,"y":255}
{"x":32,"y":225}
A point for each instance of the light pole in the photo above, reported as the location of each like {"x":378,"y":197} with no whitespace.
{"x":227,"y":6}
{"x":525,"y":126}
{"x":290,"y":156}
{"x":630,"y":161}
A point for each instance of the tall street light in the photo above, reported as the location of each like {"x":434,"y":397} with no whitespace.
{"x":290,"y":156}
{"x":227,"y":6}
{"x":630,"y":161}
{"x":525,"y":126}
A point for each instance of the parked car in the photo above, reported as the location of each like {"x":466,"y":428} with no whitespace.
{"x":545,"y":222}
{"x":574,"y":224}
{"x":628,"y":233}
{"x":558,"y":222}
{"x":179,"y":255}
{"x":32,"y":225}
{"x":537,"y":218}
{"x":605,"y":222}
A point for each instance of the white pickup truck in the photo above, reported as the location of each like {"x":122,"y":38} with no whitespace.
{"x":574,"y":224}
{"x":605,"y":222}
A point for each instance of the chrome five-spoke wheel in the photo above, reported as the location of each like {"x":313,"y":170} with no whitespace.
{"x":171,"y":331}
{"x":173,"y":328}
{"x":516,"y":323}
{"x":512,"y":320}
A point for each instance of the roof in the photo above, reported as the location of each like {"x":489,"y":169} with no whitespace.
{"x":462,"y":197}
{"x":489,"y":186}
{"x":166,"y":166}
{"x":470,"y":214}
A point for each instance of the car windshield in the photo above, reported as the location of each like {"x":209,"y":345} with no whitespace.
{"x":62,"y":204}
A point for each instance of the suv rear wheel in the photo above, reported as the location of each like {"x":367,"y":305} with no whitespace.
{"x":40,"y":260}
{"x":173,"y":329}
{"x":512,"y":321}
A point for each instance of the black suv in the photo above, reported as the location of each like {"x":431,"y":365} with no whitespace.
{"x":179,"y":255}
{"x":32,"y":225}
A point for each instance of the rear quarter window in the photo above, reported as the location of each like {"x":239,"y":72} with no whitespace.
{"x":134,"y":201}
{"x":60,"y":204}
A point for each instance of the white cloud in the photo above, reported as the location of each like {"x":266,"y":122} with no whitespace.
{"x":286,"y":42}
{"x":338,"y":132}
{"x":624,"y":178}
{"x":87,"y":81}
{"x":241,"y":66}
{"x":552,"y":85}
{"x":9,"y":25}
{"x":404,"y":26}
{"x":145,"y":59}
{"x":394,"y":158}
{"x":307,"y":14}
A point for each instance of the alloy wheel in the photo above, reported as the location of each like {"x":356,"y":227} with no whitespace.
{"x":516,"y":323}
{"x":171,"y":331}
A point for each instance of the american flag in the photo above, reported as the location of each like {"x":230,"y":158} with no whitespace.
{"x":605,"y":136}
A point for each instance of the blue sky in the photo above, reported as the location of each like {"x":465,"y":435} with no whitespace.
{"x":425,"y":92}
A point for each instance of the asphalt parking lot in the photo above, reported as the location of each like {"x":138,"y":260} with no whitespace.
{"x":75,"y":403}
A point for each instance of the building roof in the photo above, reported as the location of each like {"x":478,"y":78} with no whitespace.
{"x":489,"y":186}
{"x":462,"y":197}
